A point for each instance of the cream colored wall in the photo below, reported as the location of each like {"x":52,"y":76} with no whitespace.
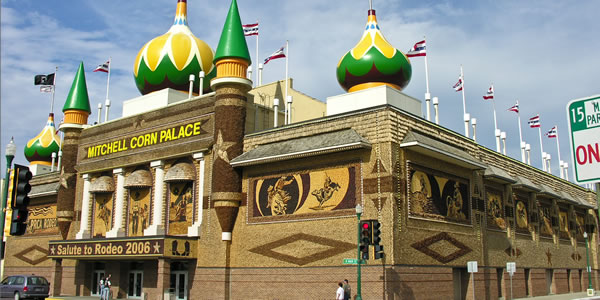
{"x":259,"y":115}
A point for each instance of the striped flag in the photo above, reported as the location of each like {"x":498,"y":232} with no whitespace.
{"x":459,"y":85}
{"x":103,"y":67}
{"x":552,"y":132}
{"x":417,"y":50}
{"x":534,"y":122}
{"x":490,"y":93}
{"x":250,"y":29}
{"x":515,"y":108}
{"x":277,"y":54}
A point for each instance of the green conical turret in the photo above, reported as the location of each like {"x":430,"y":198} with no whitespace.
{"x":233,"y":42}
{"x":78,"y":95}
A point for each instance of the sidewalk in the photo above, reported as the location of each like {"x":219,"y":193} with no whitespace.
{"x":569,"y":296}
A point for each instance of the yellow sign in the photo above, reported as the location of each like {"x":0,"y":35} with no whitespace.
{"x":147,"y":139}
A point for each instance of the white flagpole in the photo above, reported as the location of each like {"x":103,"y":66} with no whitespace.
{"x":496,"y":133}
{"x":427,"y":94}
{"x":560,"y":167}
{"x":462,"y":77}
{"x":521,"y":146}
{"x":542,"y":147}
{"x":53,"y":89}
{"x":108,"y":78}
{"x":257,"y":59}
{"x":287,"y":55}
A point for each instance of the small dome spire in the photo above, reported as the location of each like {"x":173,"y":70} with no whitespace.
{"x":373,"y":62}
{"x":77,"y":106}
{"x":232,"y":43}
{"x":39,"y":149}
{"x":78,"y":98}
{"x":168,"y":60}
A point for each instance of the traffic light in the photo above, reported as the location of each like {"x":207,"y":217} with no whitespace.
{"x":20,"y":200}
{"x":365,"y":238}
{"x":377,"y":249}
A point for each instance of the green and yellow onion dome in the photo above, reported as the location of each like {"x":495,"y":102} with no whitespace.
{"x":373,"y":62}
{"x":168,"y":60}
{"x":39,"y":149}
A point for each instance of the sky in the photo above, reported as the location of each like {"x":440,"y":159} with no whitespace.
{"x":541,"y":53}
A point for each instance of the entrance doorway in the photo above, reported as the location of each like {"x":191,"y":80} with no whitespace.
{"x":134,"y":289}
{"x":97,"y":275}
{"x":178,"y":284}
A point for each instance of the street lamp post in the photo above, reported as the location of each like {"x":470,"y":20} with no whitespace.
{"x":587,"y":254}
{"x":11,"y":150}
{"x":359,"y":211}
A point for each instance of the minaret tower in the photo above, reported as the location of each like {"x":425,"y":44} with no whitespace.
{"x":76,"y":111}
{"x":231,"y":86}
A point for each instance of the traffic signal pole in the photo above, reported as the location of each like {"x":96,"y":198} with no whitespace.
{"x":358,"y":256}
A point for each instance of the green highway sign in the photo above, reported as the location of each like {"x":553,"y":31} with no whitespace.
{"x":584,"y":132}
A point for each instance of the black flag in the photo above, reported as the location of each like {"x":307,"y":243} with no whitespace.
{"x":44,"y":79}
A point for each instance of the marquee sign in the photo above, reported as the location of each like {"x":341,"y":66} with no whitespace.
{"x":147,"y":139}
{"x":584,"y":131}
{"x":171,"y":247}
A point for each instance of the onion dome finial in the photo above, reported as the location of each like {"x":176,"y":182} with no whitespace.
{"x":39,"y":149}
{"x":77,"y":106}
{"x":168,"y":61}
{"x":373,"y":62}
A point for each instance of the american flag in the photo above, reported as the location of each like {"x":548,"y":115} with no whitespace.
{"x":459,"y":85}
{"x":103,"y":67}
{"x":250,"y":29}
{"x":514,"y":108}
{"x":552,"y":132}
{"x":534,"y":122}
{"x":490,"y":93}
{"x":277,"y":54}
{"x":417,"y":50}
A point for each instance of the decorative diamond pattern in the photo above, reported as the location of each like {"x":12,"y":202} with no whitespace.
{"x":33,"y":255}
{"x":333,"y":248}
{"x":424,"y":247}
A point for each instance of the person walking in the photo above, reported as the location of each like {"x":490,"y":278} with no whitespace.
{"x":347,"y":290}
{"x":339,"y":294}
{"x":106,"y":288}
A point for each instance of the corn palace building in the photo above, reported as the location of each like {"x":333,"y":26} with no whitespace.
{"x":203,"y":197}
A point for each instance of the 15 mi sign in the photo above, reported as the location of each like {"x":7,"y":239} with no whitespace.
{"x":584,"y":128}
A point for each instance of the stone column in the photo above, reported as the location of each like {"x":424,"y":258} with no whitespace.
{"x":118,"y":229}
{"x":163,"y":278}
{"x":230,"y":116}
{"x":84,"y":228}
{"x":157,"y":227}
{"x":65,"y":202}
{"x":56,"y":277}
{"x":194,"y":230}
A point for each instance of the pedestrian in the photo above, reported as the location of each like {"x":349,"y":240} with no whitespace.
{"x":106,"y":288}
{"x":102,"y":288}
{"x":347,"y":290}
{"x":339,"y":294}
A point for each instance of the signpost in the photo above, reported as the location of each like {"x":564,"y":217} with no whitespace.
{"x":584,"y":132}
{"x":472,"y":268}
{"x":353,"y":261}
{"x":511,"y":268}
